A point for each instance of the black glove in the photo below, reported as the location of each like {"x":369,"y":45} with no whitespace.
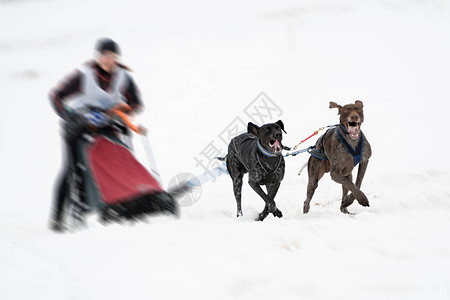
{"x":75,"y":125}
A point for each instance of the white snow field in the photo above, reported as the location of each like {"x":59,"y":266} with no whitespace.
{"x":200,"y":65}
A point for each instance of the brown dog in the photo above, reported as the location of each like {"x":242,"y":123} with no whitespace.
{"x":338,"y":151}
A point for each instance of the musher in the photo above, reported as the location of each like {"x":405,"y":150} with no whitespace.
{"x":86,"y":96}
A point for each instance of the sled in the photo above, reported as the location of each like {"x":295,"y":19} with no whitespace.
{"x":106,"y":177}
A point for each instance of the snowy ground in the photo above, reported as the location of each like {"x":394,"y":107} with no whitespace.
{"x":199,"y":65}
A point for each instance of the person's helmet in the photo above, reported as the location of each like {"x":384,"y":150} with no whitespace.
{"x":107,"y":44}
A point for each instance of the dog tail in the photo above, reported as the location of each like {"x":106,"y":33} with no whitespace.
{"x":222,"y":158}
{"x":302,"y":168}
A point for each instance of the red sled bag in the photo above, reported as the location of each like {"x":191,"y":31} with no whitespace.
{"x":118,"y":175}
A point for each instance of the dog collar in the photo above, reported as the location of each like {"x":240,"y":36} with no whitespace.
{"x":265,"y":151}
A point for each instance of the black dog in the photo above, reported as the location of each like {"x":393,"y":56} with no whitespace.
{"x":258,"y":152}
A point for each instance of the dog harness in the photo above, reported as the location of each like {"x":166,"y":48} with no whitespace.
{"x":267,"y":153}
{"x":246,"y":142}
{"x":355,"y":153}
{"x":316,"y":153}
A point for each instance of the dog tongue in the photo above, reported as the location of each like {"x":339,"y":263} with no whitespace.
{"x":353,"y":131}
{"x":276,"y":145}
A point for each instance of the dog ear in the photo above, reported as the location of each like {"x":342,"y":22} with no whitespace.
{"x":252,"y":128}
{"x":335,"y":105}
{"x":359,"y":103}
{"x":280,"y":123}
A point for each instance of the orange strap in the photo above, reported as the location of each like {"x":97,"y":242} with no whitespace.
{"x":138,"y":129}
{"x":315,"y":132}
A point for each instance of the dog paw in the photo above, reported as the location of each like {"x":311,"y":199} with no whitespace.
{"x":363,"y":200}
{"x":305,"y":208}
{"x":239,"y":214}
{"x":348,"y":200}
{"x":261,"y":217}
{"x":344,"y":209}
{"x":278,"y":213}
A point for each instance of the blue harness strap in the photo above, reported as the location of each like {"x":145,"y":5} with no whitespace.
{"x":356,"y":153}
{"x":316,"y":153}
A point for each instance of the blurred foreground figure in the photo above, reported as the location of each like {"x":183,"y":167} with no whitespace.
{"x":100,"y":173}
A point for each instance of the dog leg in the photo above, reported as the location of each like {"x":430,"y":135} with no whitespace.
{"x":237,"y":188}
{"x":315,"y":173}
{"x":312,"y":186}
{"x":359,"y":178}
{"x":359,"y":195}
{"x":271,"y":206}
{"x":272,"y":190}
{"x":316,"y":170}
{"x":347,"y":200}
{"x":236,"y":171}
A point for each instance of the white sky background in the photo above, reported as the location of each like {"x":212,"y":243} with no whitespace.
{"x":198,"y":65}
